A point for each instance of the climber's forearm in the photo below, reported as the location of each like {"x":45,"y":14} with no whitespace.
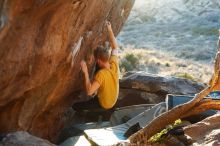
{"x":112,"y":38}
{"x":87,"y":83}
{"x":91,"y":87}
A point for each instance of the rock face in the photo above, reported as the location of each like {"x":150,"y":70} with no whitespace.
{"x":139,"y":88}
{"x":41,"y":45}
{"x":206,"y":132}
{"x":22,"y":138}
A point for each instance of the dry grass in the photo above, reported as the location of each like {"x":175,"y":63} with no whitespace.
{"x":166,"y":64}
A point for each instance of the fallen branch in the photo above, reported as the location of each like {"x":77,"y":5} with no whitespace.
{"x":142,"y":136}
{"x":202,"y":107}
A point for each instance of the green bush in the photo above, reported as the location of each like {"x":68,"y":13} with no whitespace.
{"x":126,"y":65}
{"x":185,"y":75}
{"x":167,"y":64}
{"x":129,"y":62}
{"x":205,"y":31}
{"x":133,"y":60}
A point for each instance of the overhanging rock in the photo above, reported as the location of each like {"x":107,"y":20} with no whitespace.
{"x":41,"y":45}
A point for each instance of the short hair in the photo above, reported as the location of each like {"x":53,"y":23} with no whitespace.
{"x":102,"y":53}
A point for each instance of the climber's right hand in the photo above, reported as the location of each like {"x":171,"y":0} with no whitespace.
{"x":108,"y":24}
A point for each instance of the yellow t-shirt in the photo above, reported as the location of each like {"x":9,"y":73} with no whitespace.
{"x":109,"y":84}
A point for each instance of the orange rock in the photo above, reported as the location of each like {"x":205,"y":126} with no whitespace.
{"x":41,"y":45}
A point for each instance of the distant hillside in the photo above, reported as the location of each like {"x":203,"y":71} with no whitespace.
{"x":187,"y":29}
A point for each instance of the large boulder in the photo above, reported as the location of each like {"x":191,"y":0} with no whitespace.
{"x":140,"y":88}
{"x":206,"y":132}
{"x":22,"y":138}
{"x":41,"y":45}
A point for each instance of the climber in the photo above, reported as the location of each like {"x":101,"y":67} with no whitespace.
{"x":106,"y":80}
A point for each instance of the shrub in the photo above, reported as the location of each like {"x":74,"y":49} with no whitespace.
{"x":185,"y":75}
{"x":129,"y":62}
{"x":204,"y":31}
{"x":126,"y":65}
{"x":133,"y":60}
{"x":167,"y":64}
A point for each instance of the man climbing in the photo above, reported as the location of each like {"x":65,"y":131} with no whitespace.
{"x":106,"y":80}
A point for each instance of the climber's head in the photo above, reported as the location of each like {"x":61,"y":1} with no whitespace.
{"x":102,"y":56}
